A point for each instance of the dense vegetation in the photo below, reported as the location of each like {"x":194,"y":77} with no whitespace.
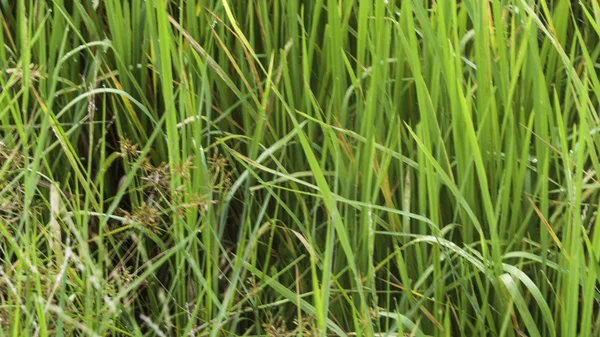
{"x":299,"y":168}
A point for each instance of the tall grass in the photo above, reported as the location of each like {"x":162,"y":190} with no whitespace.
{"x":291,"y":168}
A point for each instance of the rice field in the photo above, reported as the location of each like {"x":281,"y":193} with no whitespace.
{"x":299,"y":168}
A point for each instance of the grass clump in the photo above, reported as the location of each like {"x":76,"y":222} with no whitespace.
{"x":299,"y":168}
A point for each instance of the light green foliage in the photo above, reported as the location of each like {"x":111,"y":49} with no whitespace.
{"x":299,"y":168}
